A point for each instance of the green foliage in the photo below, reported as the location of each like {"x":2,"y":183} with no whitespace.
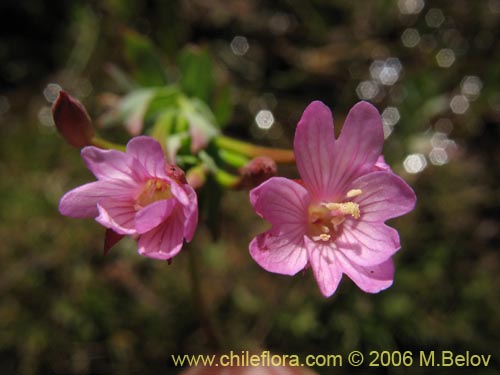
{"x":197,"y":72}
{"x":148,"y":68}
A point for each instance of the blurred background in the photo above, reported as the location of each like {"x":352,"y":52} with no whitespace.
{"x":432,"y":68}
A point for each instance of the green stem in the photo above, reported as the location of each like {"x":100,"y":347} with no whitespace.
{"x":199,"y":303}
{"x":222,"y":177}
{"x":250,"y":150}
{"x":102,"y":143}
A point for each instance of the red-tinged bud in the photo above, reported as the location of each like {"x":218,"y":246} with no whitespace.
{"x":257,"y":171}
{"x":72,"y":120}
{"x":176,"y":173}
{"x":197,"y":176}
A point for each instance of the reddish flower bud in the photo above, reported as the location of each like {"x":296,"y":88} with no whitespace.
{"x":176,"y":173}
{"x":257,"y":171}
{"x":196,"y":176}
{"x":72,"y":120}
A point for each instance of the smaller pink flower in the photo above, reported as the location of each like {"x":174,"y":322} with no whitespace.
{"x":333,"y":219}
{"x":138,"y":194}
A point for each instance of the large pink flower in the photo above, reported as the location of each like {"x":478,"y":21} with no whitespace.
{"x":137,"y":193}
{"x":333,"y":221}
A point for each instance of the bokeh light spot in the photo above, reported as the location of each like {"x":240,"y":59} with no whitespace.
{"x":434,"y":17}
{"x":391,"y":116}
{"x":415,"y":163}
{"x":471,"y":86}
{"x":264,"y":119}
{"x":51,"y":92}
{"x":411,"y":6}
{"x":239,"y":45}
{"x":459,"y":104}
{"x":438,"y":156}
{"x":410,"y":38}
{"x":445,"y":57}
{"x":386,"y":72}
{"x":367,"y":89}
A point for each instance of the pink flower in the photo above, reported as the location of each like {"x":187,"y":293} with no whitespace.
{"x":138,"y":194}
{"x":333,"y":221}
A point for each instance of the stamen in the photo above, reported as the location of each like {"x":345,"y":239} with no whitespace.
{"x":347,"y":208}
{"x":322,"y":237}
{"x":354,"y":193}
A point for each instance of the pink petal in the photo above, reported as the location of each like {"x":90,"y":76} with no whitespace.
{"x":118,"y":215}
{"x":326,"y":268}
{"x":106,"y":164}
{"x":384,"y":196}
{"x":372,"y":279}
{"x":179,"y":192}
{"x":190,"y":213}
{"x":282,"y":253}
{"x":381,"y":165}
{"x":149,"y":154}
{"x":153,"y":214}
{"x":164,"y":241}
{"x":358,"y":146}
{"x":315,"y":151}
{"x":367,"y":243}
{"x":282,"y":202}
{"x":81,"y":202}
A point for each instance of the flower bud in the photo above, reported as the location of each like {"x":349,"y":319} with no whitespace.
{"x":257,"y":171}
{"x":196,"y":176}
{"x":72,"y":120}
{"x":176,"y":173}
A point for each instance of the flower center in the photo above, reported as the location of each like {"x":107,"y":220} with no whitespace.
{"x":154,"y":190}
{"x":325,"y":218}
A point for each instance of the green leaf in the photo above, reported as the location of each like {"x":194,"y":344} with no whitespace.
{"x":139,"y":50}
{"x":165,"y":123}
{"x":223,"y":106}
{"x":197,"y":73}
{"x":133,"y":107}
{"x":165,"y":98}
{"x":202,"y":124}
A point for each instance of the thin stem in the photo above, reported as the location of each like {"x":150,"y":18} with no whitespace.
{"x":102,"y":143}
{"x":199,"y":302}
{"x":250,"y":150}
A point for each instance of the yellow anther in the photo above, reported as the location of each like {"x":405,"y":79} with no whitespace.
{"x":324,"y":237}
{"x":354,"y":193}
{"x":325,"y":218}
{"x":321,"y":237}
{"x":347,"y":208}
